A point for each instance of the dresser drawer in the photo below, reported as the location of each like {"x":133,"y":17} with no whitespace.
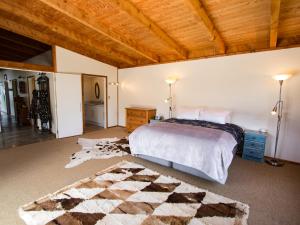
{"x":137,"y":120}
{"x":255,"y":138}
{"x":132,"y":126}
{"x":136,"y":117}
{"x":136,"y":113}
{"x":254,"y":152}
{"x":257,"y":145}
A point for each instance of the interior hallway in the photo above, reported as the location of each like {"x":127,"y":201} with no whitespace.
{"x":32,"y":171}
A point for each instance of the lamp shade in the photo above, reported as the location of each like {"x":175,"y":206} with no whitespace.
{"x":274,"y":110}
{"x":170,"y":80}
{"x":281,"y":77}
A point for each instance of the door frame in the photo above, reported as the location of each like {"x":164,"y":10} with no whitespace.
{"x":7,"y":97}
{"x":106,"y":98}
{"x":28,"y":91}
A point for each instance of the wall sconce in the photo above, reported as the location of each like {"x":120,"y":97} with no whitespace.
{"x":170,"y":81}
{"x":277,"y":110}
{"x":114,"y":83}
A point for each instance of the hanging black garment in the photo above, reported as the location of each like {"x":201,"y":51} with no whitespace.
{"x":33,"y":113}
{"x":44,"y":108}
{"x":40,"y":106}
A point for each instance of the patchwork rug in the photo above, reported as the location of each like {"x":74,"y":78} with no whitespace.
{"x":130,"y":194}
{"x":99,"y":149}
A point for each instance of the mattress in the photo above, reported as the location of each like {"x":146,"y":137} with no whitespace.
{"x":198,"y":145}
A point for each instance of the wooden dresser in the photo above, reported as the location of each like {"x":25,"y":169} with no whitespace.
{"x":136,"y":117}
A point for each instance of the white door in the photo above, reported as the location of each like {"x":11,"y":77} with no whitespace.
{"x":68,"y":105}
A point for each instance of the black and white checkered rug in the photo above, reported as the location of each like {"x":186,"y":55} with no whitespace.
{"x":130,"y":194}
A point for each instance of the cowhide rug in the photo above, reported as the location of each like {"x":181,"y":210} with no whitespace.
{"x":99,"y":149}
{"x":130,"y":194}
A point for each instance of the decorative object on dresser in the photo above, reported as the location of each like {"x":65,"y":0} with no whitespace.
{"x":136,"y":116}
{"x":170,"y":81}
{"x":277,"y":110}
{"x":156,"y":119}
{"x":153,"y":121}
{"x":254,"y":145}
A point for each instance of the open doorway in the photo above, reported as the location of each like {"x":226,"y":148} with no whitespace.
{"x":94,"y":99}
{"x":20,"y":124}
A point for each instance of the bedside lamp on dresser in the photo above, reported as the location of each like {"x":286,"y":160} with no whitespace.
{"x":254,"y":145}
{"x":136,"y":117}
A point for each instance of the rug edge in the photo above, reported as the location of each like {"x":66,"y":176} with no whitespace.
{"x":77,"y":182}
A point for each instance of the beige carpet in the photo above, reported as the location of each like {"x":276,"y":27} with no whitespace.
{"x":29,"y":172}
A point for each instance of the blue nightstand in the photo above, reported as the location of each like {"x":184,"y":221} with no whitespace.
{"x":254,"y":145}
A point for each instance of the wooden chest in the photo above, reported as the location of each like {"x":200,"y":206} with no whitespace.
{"x":136,"y":117}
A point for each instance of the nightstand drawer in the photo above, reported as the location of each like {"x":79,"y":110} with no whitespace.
{"x":255,"y":138}
{"x":257,"y":145}
{"x":249,"y":157}
{"x":254,"y":152}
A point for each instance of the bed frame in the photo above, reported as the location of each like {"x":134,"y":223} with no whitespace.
{"x":177,"y":166}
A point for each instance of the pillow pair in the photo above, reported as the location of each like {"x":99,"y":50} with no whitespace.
{"x":203,"y":113}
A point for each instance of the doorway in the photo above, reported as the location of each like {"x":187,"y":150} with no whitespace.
{"x":17,"y":126}
{"x":94,"y":102}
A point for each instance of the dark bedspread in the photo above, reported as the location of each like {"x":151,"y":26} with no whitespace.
{"x":236,"y":131}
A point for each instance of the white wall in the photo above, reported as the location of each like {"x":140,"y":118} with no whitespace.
{"x":71,"y":62}
{"x":89,"y":88}
{"x":241,"y":83}
{"x":42,"y":59}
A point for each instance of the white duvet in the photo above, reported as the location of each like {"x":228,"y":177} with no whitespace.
{"x":205,"y":149}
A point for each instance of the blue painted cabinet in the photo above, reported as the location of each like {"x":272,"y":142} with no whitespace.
{"x":254,"y":145}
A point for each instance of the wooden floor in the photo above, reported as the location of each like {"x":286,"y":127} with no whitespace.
{"x":13,"y":135}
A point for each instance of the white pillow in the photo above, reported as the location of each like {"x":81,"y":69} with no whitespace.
{"x":188,"y":113}
{"x":215,"y":115}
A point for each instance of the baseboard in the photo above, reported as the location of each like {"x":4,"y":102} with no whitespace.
{"x":116,"y":126}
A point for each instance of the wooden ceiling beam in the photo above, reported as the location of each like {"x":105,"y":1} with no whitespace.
{"x":14,"y":38}
{"x":19,"y":49}
{"x":15,"y":11}
{"x":16,"y":26}
{"x":134,"y":12}
{"x":9,"y":55}
{"x":200,"y":11}
{"x":82,"y":17}
{"x":275,"y":11}
{"x":25,"y":66}
{"x":21,"y":44}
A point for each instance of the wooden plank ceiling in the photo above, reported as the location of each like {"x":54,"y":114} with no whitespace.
{"x":15,"y":47}
{"x":128,"y":33}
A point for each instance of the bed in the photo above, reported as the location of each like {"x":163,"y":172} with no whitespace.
{"x":198,"y":147}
